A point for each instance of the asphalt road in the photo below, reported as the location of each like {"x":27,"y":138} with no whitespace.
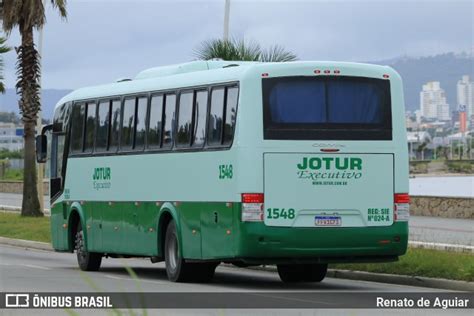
{"x":23,"y":270}
{"x":442,"y":230}
{"x":422,"y":228}
{"x":12,"y":199}
{"x":44,"y":271}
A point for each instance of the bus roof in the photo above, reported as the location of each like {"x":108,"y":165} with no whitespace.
{"x":201,"y":72}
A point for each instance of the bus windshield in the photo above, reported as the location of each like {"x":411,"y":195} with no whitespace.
{"x":295,"y":105}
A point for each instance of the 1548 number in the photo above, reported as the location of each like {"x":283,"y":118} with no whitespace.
{"x":225,"y":172}
{"x":275,"y":213}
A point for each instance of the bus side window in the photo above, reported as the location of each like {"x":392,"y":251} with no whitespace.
{"x":90,"y":127}
{"x":60,"y":155}
{"x":103,"y":123}
{"x":170,"y":106}
{"x":128,"y":123}
{"x":185,"y":116}
{"x":115,"y":125}
{"x":141,"y":120}
{"x":155,"y":124}
{"x":57,"y":154}
{"x":77,"y":129}
{"x":230,"y":115}
{"x":200,"y":115}
{"x":216,"y":117}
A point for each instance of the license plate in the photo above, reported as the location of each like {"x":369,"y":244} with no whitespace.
{"x":327,"y":221}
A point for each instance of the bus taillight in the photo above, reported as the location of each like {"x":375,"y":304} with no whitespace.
{"x":252,"y":207}
{"x":401,"y":210}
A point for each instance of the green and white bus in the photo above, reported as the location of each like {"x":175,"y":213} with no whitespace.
{"x":297,"y":164}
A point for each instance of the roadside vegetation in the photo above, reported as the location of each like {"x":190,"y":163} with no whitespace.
{"x":423,"y":262}
{"x":442,"y":166}
{"x":460,"y":166}
{"x":12,"y":225}
{"x":417,"y":262}
{"x":11,"y":174}
{"x":7,"y":154}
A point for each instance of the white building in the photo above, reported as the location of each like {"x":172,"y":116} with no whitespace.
{"x":11,"y":137}
{"x":465,"y":97}
{"x":418,"y":115}
{"x":433,"y":103}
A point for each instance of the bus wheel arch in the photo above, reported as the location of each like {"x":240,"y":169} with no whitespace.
{"x":77,"y":234}
{"x":166,"y":215}
{"x":179,"y":269}
{"x":73,"y":221}
{"x":87,"y":261}
{"x":163,"y":222}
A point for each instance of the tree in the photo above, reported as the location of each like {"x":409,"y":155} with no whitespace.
{"x":421,"y":149}
{"x":3,"y":49}
{"x":238,"y":49}
{"x":28,"y":15}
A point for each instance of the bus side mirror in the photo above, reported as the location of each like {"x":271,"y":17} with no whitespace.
{"x":41,"y":148}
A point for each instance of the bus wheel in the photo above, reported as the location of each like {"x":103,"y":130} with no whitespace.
{"x":315,"y":272}
{"x":88,"y":261}
{"x":290,"y":273}
{"x":177,"y":269}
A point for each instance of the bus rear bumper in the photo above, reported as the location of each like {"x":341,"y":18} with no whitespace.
{"x":259,"y":244}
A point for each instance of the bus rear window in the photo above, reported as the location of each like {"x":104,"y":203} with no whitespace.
{"x":327,"y":108}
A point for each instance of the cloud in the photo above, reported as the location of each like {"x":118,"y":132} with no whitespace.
{"x":104,"y":40}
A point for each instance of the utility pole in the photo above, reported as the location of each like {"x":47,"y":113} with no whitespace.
{"x":39,"y":123}
{"x":226,"y":20}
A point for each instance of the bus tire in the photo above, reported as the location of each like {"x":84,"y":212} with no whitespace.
{"x":87,"y":261}
{"x":315,"y":272}
{"x":177,"y":269}
{"x":290,"y":273}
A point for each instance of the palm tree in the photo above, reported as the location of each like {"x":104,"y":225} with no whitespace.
{"x":277,"y":54}
{"x":3,"y":49}
{"x":238,"y":49}
{"x":28,"y":15}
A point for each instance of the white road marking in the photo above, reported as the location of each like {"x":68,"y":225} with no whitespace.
{"x":292,"y":299}
{"x":131,"y":279}
{"x":26,"y":266}
{"x":36,"y":267}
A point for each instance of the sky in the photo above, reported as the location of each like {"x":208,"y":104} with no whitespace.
{"x":104,"y":40}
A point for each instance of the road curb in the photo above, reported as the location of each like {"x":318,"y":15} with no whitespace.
{"x":403,"y":280}
{"x":27,"y":244}
{"x":10,"y":208}
{"x":440,"y":246}
{"x":16,"y":209}
{"x":338,"y":274}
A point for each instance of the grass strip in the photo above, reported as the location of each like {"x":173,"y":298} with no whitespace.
{"x":417,"y":262}
{"x":12,"y":225}
{"x":422,"y":262}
